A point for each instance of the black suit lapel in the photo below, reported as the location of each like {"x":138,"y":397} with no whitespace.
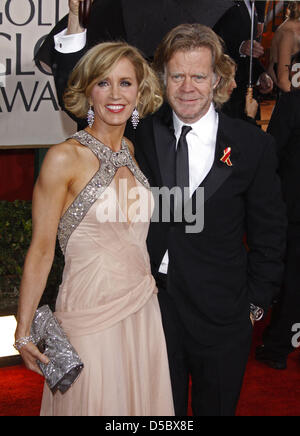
{"x":165,"y":143}
{"x":220,"y":171}
{"x":247,"y":19}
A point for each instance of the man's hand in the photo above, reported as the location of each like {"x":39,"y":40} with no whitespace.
{"x":258,"y":49}
{"x":265,"y":83}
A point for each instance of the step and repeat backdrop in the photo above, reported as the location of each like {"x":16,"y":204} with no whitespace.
{"x":29,"y":111}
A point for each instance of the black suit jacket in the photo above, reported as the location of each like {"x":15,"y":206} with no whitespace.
{"x":284,"y":126}
{"x":212,"y":277}
{"x":260,"y":9}
{"x":234,"y":27}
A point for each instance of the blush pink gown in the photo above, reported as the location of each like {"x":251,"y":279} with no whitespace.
{"x":107,"y":302}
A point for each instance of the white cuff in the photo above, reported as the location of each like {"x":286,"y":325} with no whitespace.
{"x":69,"y":43}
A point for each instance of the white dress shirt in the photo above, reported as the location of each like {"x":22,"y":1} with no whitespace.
{"x":247,"y":3}
{"x":201,"y":142}
{"x":249,"y":7}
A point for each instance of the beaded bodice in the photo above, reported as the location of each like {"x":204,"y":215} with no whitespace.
{"x":110,"y":161}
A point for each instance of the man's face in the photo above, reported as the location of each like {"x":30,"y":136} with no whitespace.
{"x":190,"y":82}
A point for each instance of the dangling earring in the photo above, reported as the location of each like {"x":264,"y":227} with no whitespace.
{"x":90,"y":117}
{"x":135,"y":118}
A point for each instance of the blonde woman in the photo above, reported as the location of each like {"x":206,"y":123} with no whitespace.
{"x":107,"y":303}
{"x":285,"y":46}
{"x":251,"y":105}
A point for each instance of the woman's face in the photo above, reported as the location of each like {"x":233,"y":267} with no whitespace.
{"x":115,"y":97}
{"x":232,"y":84}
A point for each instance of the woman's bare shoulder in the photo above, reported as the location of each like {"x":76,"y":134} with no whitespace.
{"x":286,"y":42}
{"x":62,"y":159}
{"x":286,"y":30}
{"x":65,"y":152}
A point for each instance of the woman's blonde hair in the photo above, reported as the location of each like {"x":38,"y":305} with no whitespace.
{"x":293,"y":10}
{"x":188,"y":37}
{"x":97,"y":64}
{"x":226,"y":80}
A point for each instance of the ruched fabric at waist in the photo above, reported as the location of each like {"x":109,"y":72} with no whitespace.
{"x":90,"y":321}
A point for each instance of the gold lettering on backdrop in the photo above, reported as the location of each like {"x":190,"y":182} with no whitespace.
{"x":27,"y":90}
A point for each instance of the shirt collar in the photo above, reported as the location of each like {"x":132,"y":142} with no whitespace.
{"x":204,"y":128}
{"x":248,"y":5}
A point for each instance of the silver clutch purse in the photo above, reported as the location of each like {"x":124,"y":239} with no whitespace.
{"x":65,"y":364}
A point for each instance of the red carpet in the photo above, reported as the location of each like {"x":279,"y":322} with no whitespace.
{"x":266,"y":392}
{"x":269,"y":392}
{"x":20,"y":392}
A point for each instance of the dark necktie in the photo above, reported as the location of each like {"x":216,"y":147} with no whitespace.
{"x":182,"y":160}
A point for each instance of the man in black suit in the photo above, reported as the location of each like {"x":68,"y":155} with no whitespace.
{"x":285,"y":128}
{"x":208,"y":280}
{"x":234,"y":27}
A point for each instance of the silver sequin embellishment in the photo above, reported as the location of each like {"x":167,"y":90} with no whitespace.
{"x":110,"y":161}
